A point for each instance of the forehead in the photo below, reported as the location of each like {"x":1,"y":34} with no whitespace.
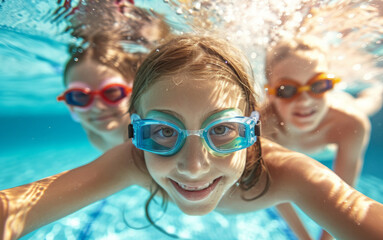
{"x":93,"y":74}
{"x":187,"y":96}
{"x":299,"y":67}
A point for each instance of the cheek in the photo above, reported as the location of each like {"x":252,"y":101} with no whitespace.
{"x":233,"y":165}
{"x":81,"y":113}
{"x":158,"y":166}
{"x":283,"y":108}
{"x":123,"y":105}
{"x":322,"y":106}
{"x":240,"y":160}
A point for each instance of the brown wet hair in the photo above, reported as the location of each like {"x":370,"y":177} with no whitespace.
{"x":105,"y":48}
{"x":308,"y":46}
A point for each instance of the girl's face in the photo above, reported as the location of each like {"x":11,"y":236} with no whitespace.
{"x":303,"y":112}
{"x":99,"y":116}
{"x":195,"y":177}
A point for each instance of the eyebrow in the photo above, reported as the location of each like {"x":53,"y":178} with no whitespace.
{"x":205,"y":116}
{"x":170,"y":112}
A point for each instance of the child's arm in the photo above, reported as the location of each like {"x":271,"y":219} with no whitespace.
{"x":352,"y":136}
{"x":338,"y":208}
{"x":351,"y":133}
{"x":27,"y":207}
{"x":328,"y":200}
{"x":291,"y":217}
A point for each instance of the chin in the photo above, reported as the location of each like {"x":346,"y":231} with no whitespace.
{"x":306,"y":127}
{"x":106,"y":127}
{"x":197,"y":209}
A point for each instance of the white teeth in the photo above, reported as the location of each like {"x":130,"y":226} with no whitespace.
{"x":189,"y":188}
{"x":306,"y":113}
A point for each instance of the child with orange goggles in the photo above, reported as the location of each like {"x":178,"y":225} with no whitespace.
{"x":313,"y":123}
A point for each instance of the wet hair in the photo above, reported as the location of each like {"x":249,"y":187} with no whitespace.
{"x":105,"y":48}
{"x":201,"y":56}
{"x":302,"y":46}
{"x":108,"y":35}
{"x":129,"y":19}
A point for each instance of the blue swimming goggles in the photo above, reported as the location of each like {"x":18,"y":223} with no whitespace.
{"x":224,"y":135}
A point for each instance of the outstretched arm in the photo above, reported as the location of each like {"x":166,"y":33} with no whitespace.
{"x":27,"y":207}
{"x":338,"y":208}
{"x":291,"y":217}
{"x":352,"y":137}
{"x":321,"y":194}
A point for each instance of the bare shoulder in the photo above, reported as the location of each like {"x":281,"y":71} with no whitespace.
{"x":288,"y":169}
{"x":347,"y":124}
{"x":343,"y":107}
{"x":288,"y":172}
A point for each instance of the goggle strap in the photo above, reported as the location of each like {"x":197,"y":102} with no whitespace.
{"x":130,"y":131}
{"x":257,"y":128}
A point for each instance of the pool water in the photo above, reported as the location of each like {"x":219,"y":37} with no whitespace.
{"x":39,"y":139}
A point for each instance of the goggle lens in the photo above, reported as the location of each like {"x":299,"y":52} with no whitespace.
{"x":286,"y":91}
{"x":321,"y":86}
{"x":227,"y":136}
{"x":77,"y":98}
{"x":158,"y":137}
{"x":113,"y":93}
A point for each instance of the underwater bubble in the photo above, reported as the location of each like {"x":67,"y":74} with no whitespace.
{"x":368,"y":76}
{"x":179,"y":11}
{"x":75,"y":59}
{"x":197,"y":6}
{"x":357,"y":67}
{"x":302,"y":29}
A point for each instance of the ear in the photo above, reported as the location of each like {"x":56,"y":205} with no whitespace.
{"x":74,"y":115}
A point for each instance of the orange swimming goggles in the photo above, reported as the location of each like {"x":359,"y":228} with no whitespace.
{"x":316,"y":87}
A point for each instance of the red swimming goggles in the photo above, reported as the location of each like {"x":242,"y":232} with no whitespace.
{"x":83,"y":97}
{"x":316,"y":87}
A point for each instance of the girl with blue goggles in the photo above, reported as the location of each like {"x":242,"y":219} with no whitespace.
{"x":224,"y":135}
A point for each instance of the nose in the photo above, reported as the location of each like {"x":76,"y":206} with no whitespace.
{"x":193,"y":160}
{"x":304,"y":99}
{"x":99,"y":104}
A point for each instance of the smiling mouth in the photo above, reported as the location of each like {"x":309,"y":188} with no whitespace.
{"x":304,"y":114}
{"x":195,"y":193}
